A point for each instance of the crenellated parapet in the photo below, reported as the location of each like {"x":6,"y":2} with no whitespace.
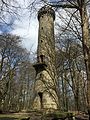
{"x":46,"y":10}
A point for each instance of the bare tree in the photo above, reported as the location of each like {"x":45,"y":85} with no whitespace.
{"x":81,"y":6}
{"x":12,"y":72}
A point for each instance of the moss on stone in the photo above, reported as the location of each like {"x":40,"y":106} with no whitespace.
{"x":60,"y":115}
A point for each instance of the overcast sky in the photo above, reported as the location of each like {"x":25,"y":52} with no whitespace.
{"x":26,"y":27}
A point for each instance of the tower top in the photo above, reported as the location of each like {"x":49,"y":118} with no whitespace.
{"x":46,"y":10}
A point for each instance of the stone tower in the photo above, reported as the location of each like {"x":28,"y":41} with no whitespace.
{"x":45,"y":84}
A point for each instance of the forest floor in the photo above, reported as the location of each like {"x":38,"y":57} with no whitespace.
{"x":14,"y":116}
{"x":32,"y":115}
{"x":35,"y":116}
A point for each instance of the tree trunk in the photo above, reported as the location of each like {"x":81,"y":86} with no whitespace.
{"x":76,"y":102}
{"x":86,"y":47}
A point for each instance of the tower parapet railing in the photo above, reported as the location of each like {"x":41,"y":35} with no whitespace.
{"x":40,"y":61}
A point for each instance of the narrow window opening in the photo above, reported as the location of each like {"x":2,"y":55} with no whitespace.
{"x":37,"y":58}
{"x":41,"y":75}
{"x":42,"y":58}
{"x":41,"y":99}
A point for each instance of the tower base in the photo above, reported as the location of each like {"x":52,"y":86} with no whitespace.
{"x":46,"y":102}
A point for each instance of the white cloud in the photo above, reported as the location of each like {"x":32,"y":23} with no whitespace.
{"x":27,"y":29}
